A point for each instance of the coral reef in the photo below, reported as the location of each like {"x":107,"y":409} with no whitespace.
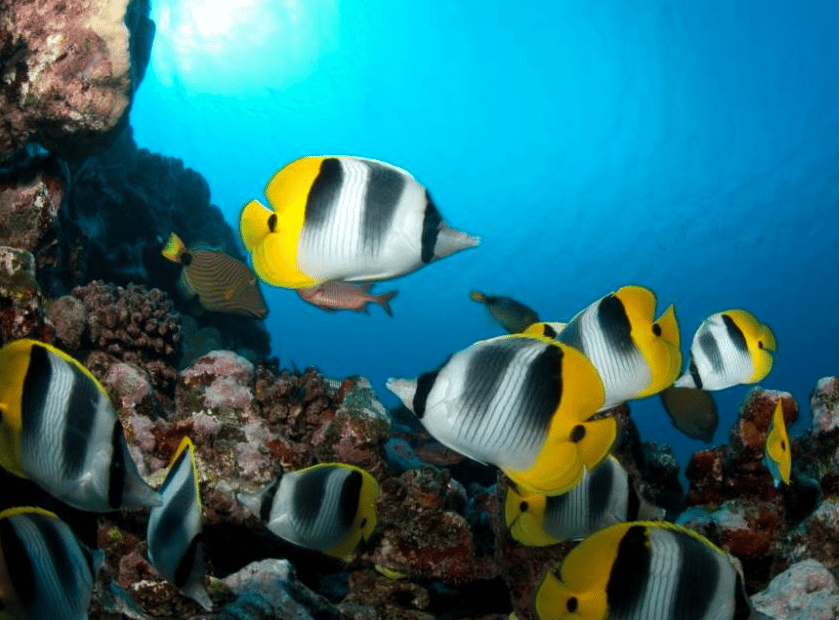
{"x":69,"y":70}
{"x":805,"y":591}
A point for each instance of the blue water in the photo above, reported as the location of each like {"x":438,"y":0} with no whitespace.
{"x":691,"y":147}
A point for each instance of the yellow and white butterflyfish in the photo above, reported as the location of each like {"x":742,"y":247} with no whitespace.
{"x":729,"y":348}
{"x":605,"y":496}
{"x":174,"y":531}
{"x":521,"y":403}
{"x":59,"y":429}
{"x":344,"y":218}
{"x":328,"y":507}
{"x":636,"y":354}
{"x":778,"y":454}
{"x":641,"y":570}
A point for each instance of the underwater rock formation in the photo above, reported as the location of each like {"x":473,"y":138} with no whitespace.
{"x":69,"y":69}
{"x":805,"y":591}
{"x":21,"y":301}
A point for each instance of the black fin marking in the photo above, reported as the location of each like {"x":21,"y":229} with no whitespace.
{"x":430,"y":229}
{"x":711,"y":349}
{"x":630,"y":572}
{"x":698,"y":578}
{"x":548,"y":331}
{"x":600,"y":489}
{"x":24,"y":580}
{"x":350,"y":499}
{"x":117,"y":470}
{"x":736,"y":334}
{"x":424,"y":384}
{"x":82,"y":407}
{"x":309,"y":493}
{"x":36,"y":384}
{"x":323,"y":195}
{"x":694,"y":373}
{"x":614,"y":323}
{"x":268,"y":501}
{"x":187,"y":561}
{"x":384,"y":189}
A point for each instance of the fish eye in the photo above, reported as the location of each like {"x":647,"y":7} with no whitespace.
{"x":760,"y":344}
{"x":272,"y":222}
{"x":657,"y":329}
{"x":571,"y":604}
{"x":784,"y":446}
{"x":577,"y":433}
{"x":523,"y":506}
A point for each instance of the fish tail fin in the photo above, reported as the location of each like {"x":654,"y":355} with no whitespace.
{"x":174,"y":248}
{"x":404,"y":390}
{"x":255,"y":224}
{"x":478,"y":296}
{"x":384,"y":300}
{"x":450,"y":241}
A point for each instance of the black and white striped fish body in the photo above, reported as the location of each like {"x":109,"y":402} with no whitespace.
{"x":645,"y":571}
{"x":729,"y":348}
{"x":344,"y":218}
{"x":518,"y":402}
{"x":328,"y":507}
{"x":62,"y":432}
{"x":44,"y":571}
{"x":635,"y":354}
{"x":605,"y":496}
{"x":174,"y":532}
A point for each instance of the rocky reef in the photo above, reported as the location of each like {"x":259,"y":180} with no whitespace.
{"x":83,"y":216}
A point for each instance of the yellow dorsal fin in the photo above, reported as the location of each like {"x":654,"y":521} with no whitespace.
{"x":186,"y":444}
{"x":26,"y":510}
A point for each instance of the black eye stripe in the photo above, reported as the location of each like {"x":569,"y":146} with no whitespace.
{"x":657,"y":329}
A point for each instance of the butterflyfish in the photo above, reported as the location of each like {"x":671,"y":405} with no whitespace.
{"x":605,"y":496}
{"x":512,"y":315}
{"x":59,"y":429}
{"x":329,"y":507}
{"x":221,"y":282}
{"x":45,"y":572}
{"x":729,"y":348}
{"x":346,"y":296}
{"x":777,"y":456}
{"x":636,"y":354}
{"x":174,"y":532}
{"x":692,"y":410}
{"x":344,"y":218}
{"x":517,"y":402}
{"x":645,"y":570}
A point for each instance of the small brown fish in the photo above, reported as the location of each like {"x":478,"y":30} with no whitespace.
{"x":512,"y":315}
{"x":692,"y":410}
{"x":336,"y":295}
{"x":222,"y":283}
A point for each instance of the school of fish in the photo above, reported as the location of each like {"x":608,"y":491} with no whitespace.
{"x":534,"y":403}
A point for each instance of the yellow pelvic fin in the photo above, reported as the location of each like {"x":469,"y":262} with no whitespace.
{"x":777,"y":444}
{"x":525,"y":517}
{"x":173,"y":248}
{"x":478,"y":296}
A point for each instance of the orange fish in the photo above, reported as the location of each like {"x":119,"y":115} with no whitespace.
{"x":337,"y":295}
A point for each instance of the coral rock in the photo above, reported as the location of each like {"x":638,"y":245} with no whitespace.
{"x":69,"y":319}
{"x":817,"y":537}
{"x":756,"y":416}
{"x":67,"y":70}
{"x":824,"y":403}
{"x":805,"y":591}
{"x":21,"y":302}
{"x":29,"y":209}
